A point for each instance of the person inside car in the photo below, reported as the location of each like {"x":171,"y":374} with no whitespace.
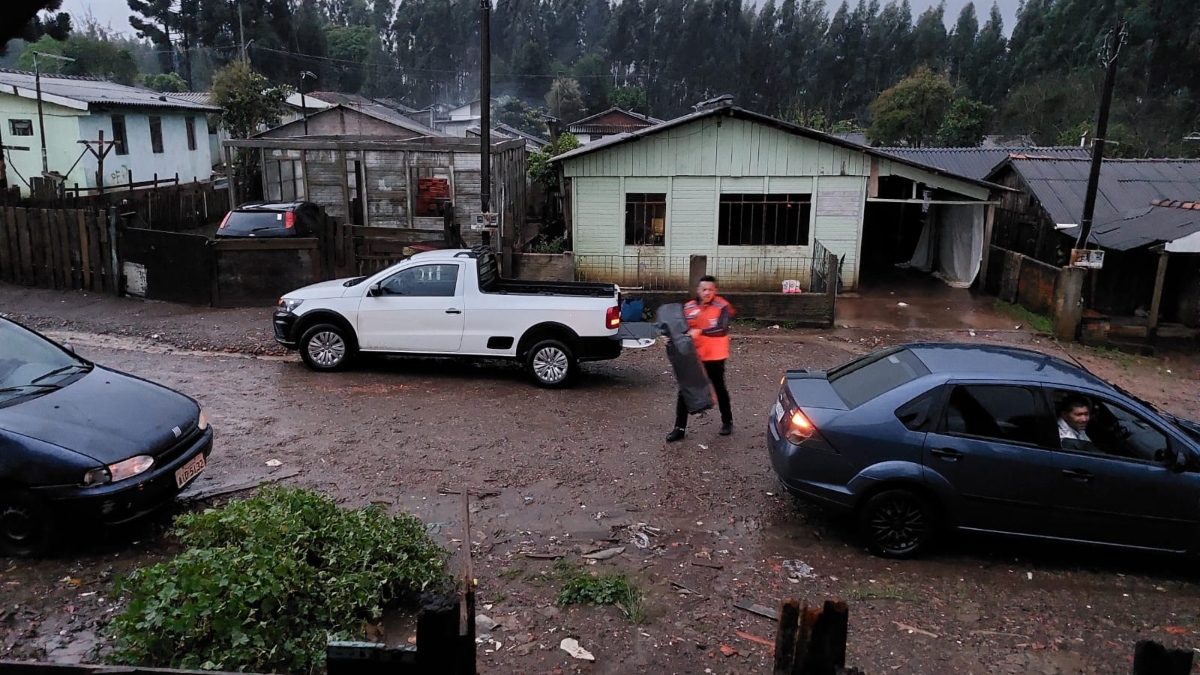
{"x":1074,"y":412}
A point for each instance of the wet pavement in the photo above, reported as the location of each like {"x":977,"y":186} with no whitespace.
{"x":919,"y":302}
{"x":703,"y":522}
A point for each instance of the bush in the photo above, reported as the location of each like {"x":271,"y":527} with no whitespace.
{"x":264,"y":583}
{"x":553,"y":245}
{"x":605,"y":589}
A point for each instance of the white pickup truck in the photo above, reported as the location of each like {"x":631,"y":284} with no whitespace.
{"x":453,"y":303}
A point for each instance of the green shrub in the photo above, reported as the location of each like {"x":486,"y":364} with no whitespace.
{"x":264,"y":583}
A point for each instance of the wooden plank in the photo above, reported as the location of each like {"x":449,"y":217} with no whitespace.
{"x":38,"y":246}
{"x":78,"y":244}
{"x":65,"y":252}
{"x":6,"y":257}
{"x":14,"y":247}
{"x":25,"y":240}
{"x":56,"y":248}
{"x":85,"y":254}
{"x":106,"y":253}
{"x":95,"y":250}
{"x":1156,"y":299}
{"x":281,"y":244}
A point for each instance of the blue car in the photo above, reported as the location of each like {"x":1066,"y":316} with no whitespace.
{"x":82,"y":444}
{"x":920,"y":439}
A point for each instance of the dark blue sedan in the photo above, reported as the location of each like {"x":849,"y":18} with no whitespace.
{"x":83,"y":444}
{"x":919,"y":439}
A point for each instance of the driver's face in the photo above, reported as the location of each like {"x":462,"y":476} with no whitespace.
{"x":1078,"y":418}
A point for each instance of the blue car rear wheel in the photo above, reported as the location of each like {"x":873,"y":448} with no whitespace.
{"x":898,"y":523}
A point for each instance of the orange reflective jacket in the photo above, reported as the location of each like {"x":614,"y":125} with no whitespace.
{"x":712,"y":320}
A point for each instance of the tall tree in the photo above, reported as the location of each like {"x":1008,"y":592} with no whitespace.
{"x":565,"y":100}
{"x":913,"y":111}
{"x":22,"y":20}
{"x":962,"y":43}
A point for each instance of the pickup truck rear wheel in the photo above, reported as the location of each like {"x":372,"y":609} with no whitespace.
{"x":324,"y":347}
{"x":552,"y":364}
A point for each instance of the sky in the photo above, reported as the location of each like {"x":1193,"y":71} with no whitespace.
{"x":115,"y":13}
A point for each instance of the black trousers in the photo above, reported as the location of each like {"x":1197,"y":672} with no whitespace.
{"x":716,"y":375}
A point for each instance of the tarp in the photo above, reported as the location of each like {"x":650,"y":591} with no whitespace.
{"x":697,"y":391}
{"x":951,"y":244}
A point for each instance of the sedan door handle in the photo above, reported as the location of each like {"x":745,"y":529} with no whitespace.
{"x":1078,"y":475}
{"x":454,"y":311}
{"x":946,"y":453}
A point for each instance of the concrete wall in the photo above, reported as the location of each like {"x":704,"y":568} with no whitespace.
{"x":812,"y":310}
{"x":543,"y":266}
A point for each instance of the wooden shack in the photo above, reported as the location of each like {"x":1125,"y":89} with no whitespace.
{"x":393,"y":183}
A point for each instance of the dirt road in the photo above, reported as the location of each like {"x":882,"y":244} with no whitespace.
{"x":581,"y":467}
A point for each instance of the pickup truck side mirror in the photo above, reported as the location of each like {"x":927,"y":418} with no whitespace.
{"x":375,"y":290}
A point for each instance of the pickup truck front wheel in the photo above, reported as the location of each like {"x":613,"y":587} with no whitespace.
{"x":324,"y":347}
{"x":552,"y":364}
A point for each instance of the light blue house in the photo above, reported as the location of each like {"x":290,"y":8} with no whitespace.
{"x":154,"y":133}
{"x":758,"y":197}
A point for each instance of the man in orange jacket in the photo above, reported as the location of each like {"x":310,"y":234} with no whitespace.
{"x":708,"y":317}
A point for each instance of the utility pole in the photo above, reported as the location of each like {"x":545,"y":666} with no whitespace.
{"x":37,"y":79}
{"x":304,"y":74}
{"x":1112,"y":49}
{"x":242,"y":32}
{"x":101,"y":151}
{"x":485,"y":104}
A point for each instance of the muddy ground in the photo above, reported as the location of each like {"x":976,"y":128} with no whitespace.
{"x":577,"y":469}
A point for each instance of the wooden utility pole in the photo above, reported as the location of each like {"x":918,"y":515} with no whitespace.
{"x":1112,"y":49}
{"x":101,"y":151}
{"x":485,"y":104}
{"x":37,"y":82}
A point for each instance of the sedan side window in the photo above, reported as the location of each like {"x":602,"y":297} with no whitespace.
{"x":1001,"y":412}
{"x":424,"y":281}
{"x":1107,"y":428}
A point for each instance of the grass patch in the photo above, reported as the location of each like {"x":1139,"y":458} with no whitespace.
{"x":900,"y":593}
{"x":1037,"y":322}
{"x":605,"y":589}
{"x":262,"y":584}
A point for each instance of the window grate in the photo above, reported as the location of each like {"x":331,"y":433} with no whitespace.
{"x":764,"y":220}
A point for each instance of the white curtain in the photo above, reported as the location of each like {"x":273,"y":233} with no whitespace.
{"x":951,"y":244}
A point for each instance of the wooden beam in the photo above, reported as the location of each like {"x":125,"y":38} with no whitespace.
{"x":989,"y":221}
{"x":935,"y":202}
{"x":1156,"y":301}
{"x":873,"y":184}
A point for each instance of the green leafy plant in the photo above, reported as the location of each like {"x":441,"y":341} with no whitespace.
{"x":605,"y":589}
{"x":550,"y":245}
{"x":263,"y":583}
{"x":1037,"y":322}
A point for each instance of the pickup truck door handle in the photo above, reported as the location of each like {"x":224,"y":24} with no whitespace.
{"x":454,"y":311}
{"x":1078,"y":475}
{"x":946,"y":453}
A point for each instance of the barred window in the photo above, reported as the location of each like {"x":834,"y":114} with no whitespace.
{"x":645,"y":218}
{"x":764,"y":220}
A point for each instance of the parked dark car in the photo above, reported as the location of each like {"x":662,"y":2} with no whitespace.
{"x":262,"y":219}
{"x":922,"y":438}
{"x":82,"y":444}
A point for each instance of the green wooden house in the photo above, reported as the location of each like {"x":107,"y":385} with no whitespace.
{"x":759,"y":198}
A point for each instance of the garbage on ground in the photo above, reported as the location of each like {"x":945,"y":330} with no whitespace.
{"x":728,"y":651}
{"x":798,"y":569}
{"x":571,"y":646}
{"x":641,"y":533}
{"x":902,"y":304}
{"x":274,"y":462}
{"x":606,"y":553}
{"x":484,"y":623}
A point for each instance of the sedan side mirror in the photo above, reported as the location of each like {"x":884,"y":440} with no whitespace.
{"x":1176,"y":460}
{"x":375,"y":290}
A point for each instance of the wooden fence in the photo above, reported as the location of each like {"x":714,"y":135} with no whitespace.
{"x":64,"y":249}
{"x":166,"y":206}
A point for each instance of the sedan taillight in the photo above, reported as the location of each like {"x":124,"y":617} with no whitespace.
{"x":289,"y":220}
{"x":225,"y":220}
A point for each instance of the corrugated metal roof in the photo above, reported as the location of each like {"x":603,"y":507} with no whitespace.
{"x":1146,"y":226}
{"x":1126,"y":185}
{"x":376,"y":111}
{"x":201,"y":97}
{"x":978,"y":163}
{"x":94,"y":92}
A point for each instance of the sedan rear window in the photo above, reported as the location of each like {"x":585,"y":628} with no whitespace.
{"x":254,"y":221}
{"x":860,"y":381}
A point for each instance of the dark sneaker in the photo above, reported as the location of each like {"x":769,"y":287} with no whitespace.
{"x":675,"y":435}
{"x":726,"y":429}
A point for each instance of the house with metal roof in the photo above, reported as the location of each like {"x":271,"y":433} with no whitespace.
{"x":1147,"y":212}
{"x":147,"y":133}
{"x":609,"y":123}
{"x":762,"y":200}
